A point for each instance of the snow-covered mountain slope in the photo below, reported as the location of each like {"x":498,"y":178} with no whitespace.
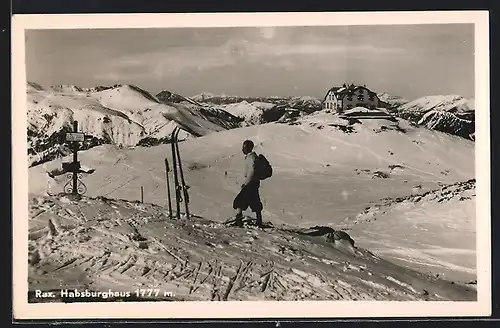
{"x":214,"y":114}
{"x":326,"y":169}
{"x":259,"y":110}
{"x":438,"y":215}
{"x":449,"y":123}
{"x":255,"y":112}
{"x":121,"y":114}
{"x":448,"y":103}
{"x":319,"y":146}
{"x":305,"y":104}
{"x":103,"y":244}
{"x":449,"y":113}
{"x":392,"y":100}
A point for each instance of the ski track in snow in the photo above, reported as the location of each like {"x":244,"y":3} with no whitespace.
{"x":440,"y":160}
{"x":379,"y":157}
{"x":123,"y":246}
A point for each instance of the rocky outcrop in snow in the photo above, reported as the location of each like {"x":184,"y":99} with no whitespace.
{"x":215,"y":114}
{"x":66,"y":88}
{"x":449,"y":123}
{"x":166,"y":96}
{"x":458,"y":191}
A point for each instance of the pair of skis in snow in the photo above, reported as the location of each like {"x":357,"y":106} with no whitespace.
{"x":180,"y":188}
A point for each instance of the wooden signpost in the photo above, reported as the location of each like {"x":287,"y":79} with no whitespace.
{"x":73,"y":167}
{"x":75,"y":136}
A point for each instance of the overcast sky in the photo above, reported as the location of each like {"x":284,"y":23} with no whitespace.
{"x":409,"y":61}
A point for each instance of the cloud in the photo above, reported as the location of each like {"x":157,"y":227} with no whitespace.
{"x":175,"y":61}
{"x":108,"y":76}
{"x":155,"y":65}
{"x":259,"y":59}
{"x":320,"y":49}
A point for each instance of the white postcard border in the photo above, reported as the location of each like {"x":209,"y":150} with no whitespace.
{"x":252,"y":309}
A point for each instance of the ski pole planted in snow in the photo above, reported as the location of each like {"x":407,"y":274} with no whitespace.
{"x":176,"y":178}
{"x":181,"y":190}
{"x":183,"y":182}
{"x":167,"y":170}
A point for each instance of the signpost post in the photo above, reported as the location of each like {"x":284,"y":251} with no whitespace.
{"x":74,"y":167}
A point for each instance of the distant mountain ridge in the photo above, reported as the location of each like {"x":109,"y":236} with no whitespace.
{"x":305,"y":103}
{"x":127,"y":115}
{"x":121,"y":114}
{"x":392,"y":100}
{"x":453,"y":114}
{"x":261,"y":110}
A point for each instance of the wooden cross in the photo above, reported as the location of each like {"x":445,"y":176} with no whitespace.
{"x":74,"y":167}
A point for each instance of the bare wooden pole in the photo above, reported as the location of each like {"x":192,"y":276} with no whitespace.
{"x":183,"y":182}
{"x":169,"y":199}
{"x":176,"y":178}
{"x":75,"y":160}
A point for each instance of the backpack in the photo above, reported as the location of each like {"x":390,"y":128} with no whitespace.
{"x":263,"y":167}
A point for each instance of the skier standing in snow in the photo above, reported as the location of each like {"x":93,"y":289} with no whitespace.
{"x":249,"y":193}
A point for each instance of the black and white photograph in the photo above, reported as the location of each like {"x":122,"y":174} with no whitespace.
{"x":332,"y":159}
